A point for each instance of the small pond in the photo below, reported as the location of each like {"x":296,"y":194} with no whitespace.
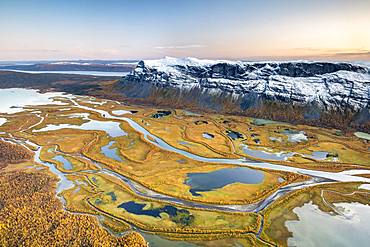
{"x":201,"y":182}
{"x":275,"y":139}
{"x":318,"y":155}
{"x":121,"y":112}
{"x":189,"y":113}
{"x":234,"y":134}
{"x":111,"y":152}
{"x":179,"y":216}
{"x":295,"y":135}
{"x":161,"y":114}
{"x":262,"y":122}
{"x":261,"y":154}
{"x":112,"y":195}
{"x":67,"y":165}
{"x":208,"y":135}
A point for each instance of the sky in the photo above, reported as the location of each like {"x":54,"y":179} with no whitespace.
{"x":146,"y":29}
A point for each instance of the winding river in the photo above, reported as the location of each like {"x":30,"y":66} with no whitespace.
{"x":335,"y":176}
{"x":318,"y":177}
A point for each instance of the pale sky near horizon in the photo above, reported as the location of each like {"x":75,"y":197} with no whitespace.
{"x":141,"y":29}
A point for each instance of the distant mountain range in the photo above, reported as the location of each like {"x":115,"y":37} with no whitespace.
{"x":317,"y":93}
{"x":80,"y":65}
{"x":309,"y":90}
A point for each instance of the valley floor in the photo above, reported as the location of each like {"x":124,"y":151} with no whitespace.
{"x":174,"y":176}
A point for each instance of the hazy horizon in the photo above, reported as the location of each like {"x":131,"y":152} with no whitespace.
{"x":273,"y":59}
{"x":335,"y":30}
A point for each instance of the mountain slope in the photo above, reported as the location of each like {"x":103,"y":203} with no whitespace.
{"x":309,"y":89}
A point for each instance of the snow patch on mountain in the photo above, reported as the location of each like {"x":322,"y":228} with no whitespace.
{"x":330,"y":85}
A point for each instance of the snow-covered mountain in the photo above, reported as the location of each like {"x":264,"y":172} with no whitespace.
{"x":329,"y":85}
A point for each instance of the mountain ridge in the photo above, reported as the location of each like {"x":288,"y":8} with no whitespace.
{"x":330,"y":85}
{"x":309,"y":89}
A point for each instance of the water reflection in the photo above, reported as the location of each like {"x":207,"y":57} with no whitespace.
{"x":111,"y":152}
{"x":295,"y":135}
{"x":14,"y":99}
{"x":113,"y":129}
{"x":67,"y":165}
{"x":317,"y":228}
{"x":2,"y":121}
{"x":179,"y":216}
{"x":201,"y":182}
{"x":208,"y":135}
{"x":261,"y":154}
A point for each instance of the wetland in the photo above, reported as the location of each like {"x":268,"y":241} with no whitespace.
{"x":190,"y":180}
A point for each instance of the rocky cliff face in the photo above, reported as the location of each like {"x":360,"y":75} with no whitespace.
{"x":241,"y":86}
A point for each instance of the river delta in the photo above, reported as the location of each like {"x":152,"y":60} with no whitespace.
{"x":183,"y":179}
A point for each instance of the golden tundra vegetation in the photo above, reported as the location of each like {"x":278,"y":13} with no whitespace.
{"x":31,"y":215}
{"x":11,"y":153}
{"x":132,"y":155}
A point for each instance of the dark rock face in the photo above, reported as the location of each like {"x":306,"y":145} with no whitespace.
{"x":241,"y":86}
{"x":329,"y":85}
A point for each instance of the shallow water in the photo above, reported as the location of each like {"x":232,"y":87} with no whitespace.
{"x":202,"y":182}
{"x":185,"y":143}
{"x":14,"y":99}
{"x":262,"y":122}
{"x":162,"y":144}
{"x":138,"y":209}
{"x":190,"y":113}
{"x":66,"y":163}
{"x":261,"y":154}
{"x":295,"y":136}
{"x":317,"y":228}
{"x":161,"y":114}
{"x":121,"y":112}
{"x":111,"y":152}
{"x":344,"y":177}
{"x":64,"y":183}
{"x":364,"y":186}
{"x":275,"y":139}
{"x":208,"y":135}
{"x":113,"y":129}
{"x":318,"y":155}
{"x":234,"y":134}
{"x":2,"y":121}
